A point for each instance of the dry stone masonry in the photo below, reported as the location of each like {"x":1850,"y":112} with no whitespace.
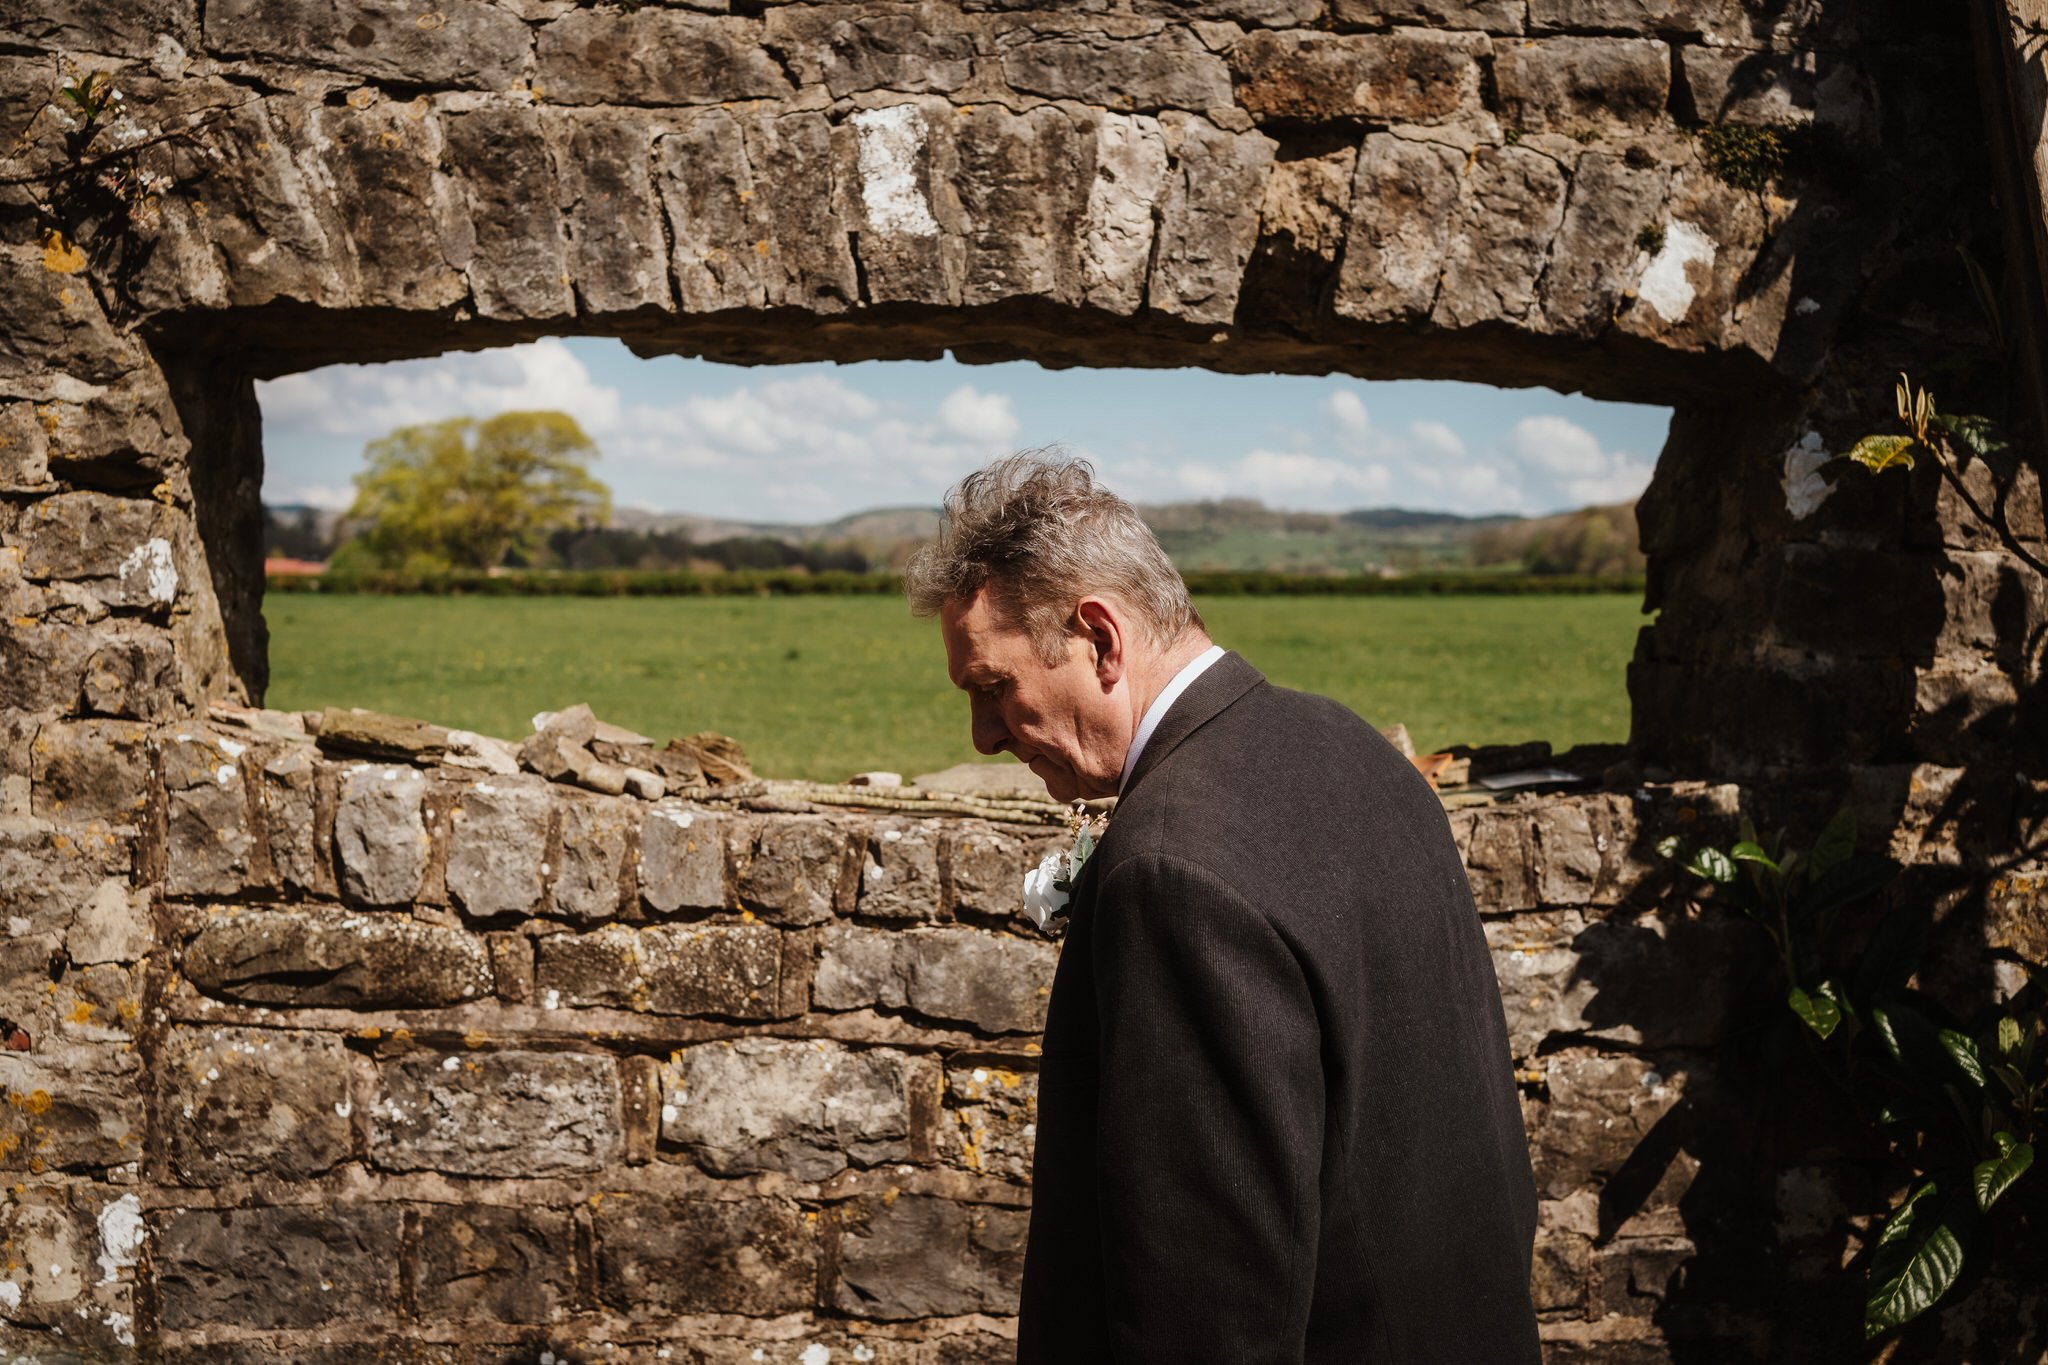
{"x":309,"y":1057}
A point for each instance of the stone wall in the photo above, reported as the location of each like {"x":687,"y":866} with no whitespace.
{"x":332,"y":968}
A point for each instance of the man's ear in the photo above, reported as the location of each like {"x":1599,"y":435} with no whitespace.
{"x":1102,"y":624}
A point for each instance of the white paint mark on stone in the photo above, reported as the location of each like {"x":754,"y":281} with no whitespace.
{"x":451,"y":1063}
{"x":120,"y":1236}
{"x":1665,"y":285}
{"x":817,"y":1353}
{"x":16,"y":926}
{"x":890,"y":836}
{"x":682,"y":819}
{"x":342,"y":1109}
{"x":152,"y":559}
{"x":1805,"y":487}
{"x":1806,"y":306}
{"x":232,"y":749}
{"x":668,"y":1113}
{"x":224,"y":774}
{"x":122,"y":1327}
{"x":890,"y":140}
{"x":10,"y":1295}
{"x":553,"y":1001}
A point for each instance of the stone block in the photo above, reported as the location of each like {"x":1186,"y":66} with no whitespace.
{"x":497,"y":1113}
{"x":988,"y":869}
{"x":110,"y":925}
{"x":480,"y":1262}
{"x":43,"y":663}
{"x":596,"y":833}
{"x":896,"y":165}
{"x":1632,"y":1276}
{"x":243,"y":1102}
{"x":311,"y":958}
{"x":1118,"y":229}
{"x":918,"y":1257}
{"x":994,"y":982}
{"x":67,"y":1275}
{"x":210,"y":849}
{"x":1020,"y":201}
{"x":658,"y":1256}
{"x":899,"y":873}
{"x":497,"y":847}
{"x":380,"y":835}
{"x":1611,"y":204}
{"x":269,"y":1267}
{"x":520,"y":268}
{"x":990,"y":1125}
{"x":1600,"y":1108}
{"x":1510,"y":207}
{"x":1559,"y":1271}
{"x":1413,"y":76}
{"x":682,"y":860}
{"x":133,"y":675}
{"x":289,"y":795}
{"x":121,"y":544}
{"x":655,"y":57}
{"x":468,"y":44}
{"x":90,"y":770}
{"x":1208,"y":220}
{"x":806,"y":1108}
{"x":24,"y":448}
{"x":851,"y":48}
{"x":617,"y":246}
{"x":387,"y":195}
{"x":1170,"y":69}
{"x":789,"y":869}
{"x":73,"y":1108}
{"x":1489,"y":16}
{"x":47,"y":874}
{"x":1577,"y":86}
{"x":1402,"y":203}
{"x":1653,"y":980}
{"x":729,"y":970}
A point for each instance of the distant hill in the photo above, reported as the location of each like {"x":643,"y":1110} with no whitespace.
{"x":1230,"y":534}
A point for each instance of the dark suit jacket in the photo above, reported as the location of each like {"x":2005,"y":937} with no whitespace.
{"x":1277,"y":1117}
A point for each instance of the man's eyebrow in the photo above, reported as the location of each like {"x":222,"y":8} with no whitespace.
{"x":980,"y":675}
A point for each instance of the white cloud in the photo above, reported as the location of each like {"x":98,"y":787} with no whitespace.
{"x":989,"y":418}
{"x":1582,"y":472}
{"x":1434,"y":438}
{"x":1283,"y":478}
{"x":1347,"y":413}
{"x":366,"y":401}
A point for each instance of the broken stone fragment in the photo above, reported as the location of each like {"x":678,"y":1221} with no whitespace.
{"x":355,"y":731}
{"x":467,"y":749}
{"x":875,"y":779}
{"x":577,"y":724}
{"x":721,"y":759}
{"x":646,"y":785}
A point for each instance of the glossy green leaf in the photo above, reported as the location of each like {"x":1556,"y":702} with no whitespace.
{"x":1964,"y":1052}
{"x":1815,"y":1010}
{"x":1980,"y":436}
{"x":1879,"y":453}
{"x":1711,"y":864}
{"x":1918,"y":1258}
{"x":1994,"y":1177}
{"x":1671,"y":846}
{"x":1836,"y":842}
{"x":1747,"y":852}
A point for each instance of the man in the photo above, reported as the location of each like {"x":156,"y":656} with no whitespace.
{"x":1276,"y":1117}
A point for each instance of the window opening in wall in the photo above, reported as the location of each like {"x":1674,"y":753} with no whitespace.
{"x":706,"y":547}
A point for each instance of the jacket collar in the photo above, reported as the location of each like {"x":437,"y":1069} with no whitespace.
{"x":1222,"y":683}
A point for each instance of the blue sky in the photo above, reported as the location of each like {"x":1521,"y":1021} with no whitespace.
{"x":814,"y":442}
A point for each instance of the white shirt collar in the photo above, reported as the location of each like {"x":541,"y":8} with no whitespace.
{"x":1156,"y":712}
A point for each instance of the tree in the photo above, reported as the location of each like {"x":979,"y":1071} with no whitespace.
{"x":462,"y":493}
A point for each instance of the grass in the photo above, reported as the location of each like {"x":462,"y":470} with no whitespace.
{"x":821,"y":687}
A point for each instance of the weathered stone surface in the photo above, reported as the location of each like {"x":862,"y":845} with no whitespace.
{"x":915,"y":1257}
{"x":373,"y":734}
{"x":1118,"y":230}
{"x":617,"y":246}
{"x":121,"y":544}
{"x":69,"y":1271}
{"x":1578,"y":86}
{"x":291,"y":821}
{"x":896,"y":165}
{"x":277,"y":1267}
{"x":463,"y":43}
{"x":988,"y":869}
{"x":1167,"y":70}
{"x":1599,"y":1108}
{"x":110,"y":925}
{"x":849,"y":48}
{"x":805,"y":1108}
{"x":1510,"y":206}
{"x":387,"y":195}
{"x":497,"y":1113}
{"x":325,"y":957}
{"x":499,"y":1264}
{"x":993,"y":981}
{"x":899,"y":873}
{"x":210,"y":847}
{"x":1651,"y":980}
{"x":1208,"y":220}
{"x":655,"y":56}
{"x":90,"y":770}
{"x":682,"y":860}
{"x":83,"y":1110}
{"x":595,"y":835}
{"x":521,"y":264}
{"x":991,"y":1121}
{"x":48,"y":874}
{"x":788,"y":869}
{"x":1612,"y":206}
{"x":662,"y":1256}
{"x":1409,"y":77}
{"x":1402,"y":206}
{"x":721,"y":969}
{"x":133,"y":675}
{"x":1492,"y":16}
{"x":1020,"y":202}
{"x":239,"y":1102}
{"x":380,"y":835}
{"x":497,"y":846}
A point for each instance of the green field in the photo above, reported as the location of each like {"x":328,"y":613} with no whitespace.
{"x":822,"y":687}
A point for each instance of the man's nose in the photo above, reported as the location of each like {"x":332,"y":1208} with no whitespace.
{"x":990,"y":734}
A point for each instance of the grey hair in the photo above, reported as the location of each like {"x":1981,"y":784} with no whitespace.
{"x":1040,"y":533}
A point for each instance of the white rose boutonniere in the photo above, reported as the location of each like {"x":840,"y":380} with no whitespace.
{"x":1049,"y":886}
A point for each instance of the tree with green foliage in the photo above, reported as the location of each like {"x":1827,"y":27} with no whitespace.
{"x":463,"y":493}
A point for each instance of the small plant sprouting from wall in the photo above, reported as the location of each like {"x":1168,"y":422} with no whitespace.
{"x":1651,"y":238}
{"x":1747,"y":156}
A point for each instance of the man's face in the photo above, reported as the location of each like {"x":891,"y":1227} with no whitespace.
{"x":1062,"y":721}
